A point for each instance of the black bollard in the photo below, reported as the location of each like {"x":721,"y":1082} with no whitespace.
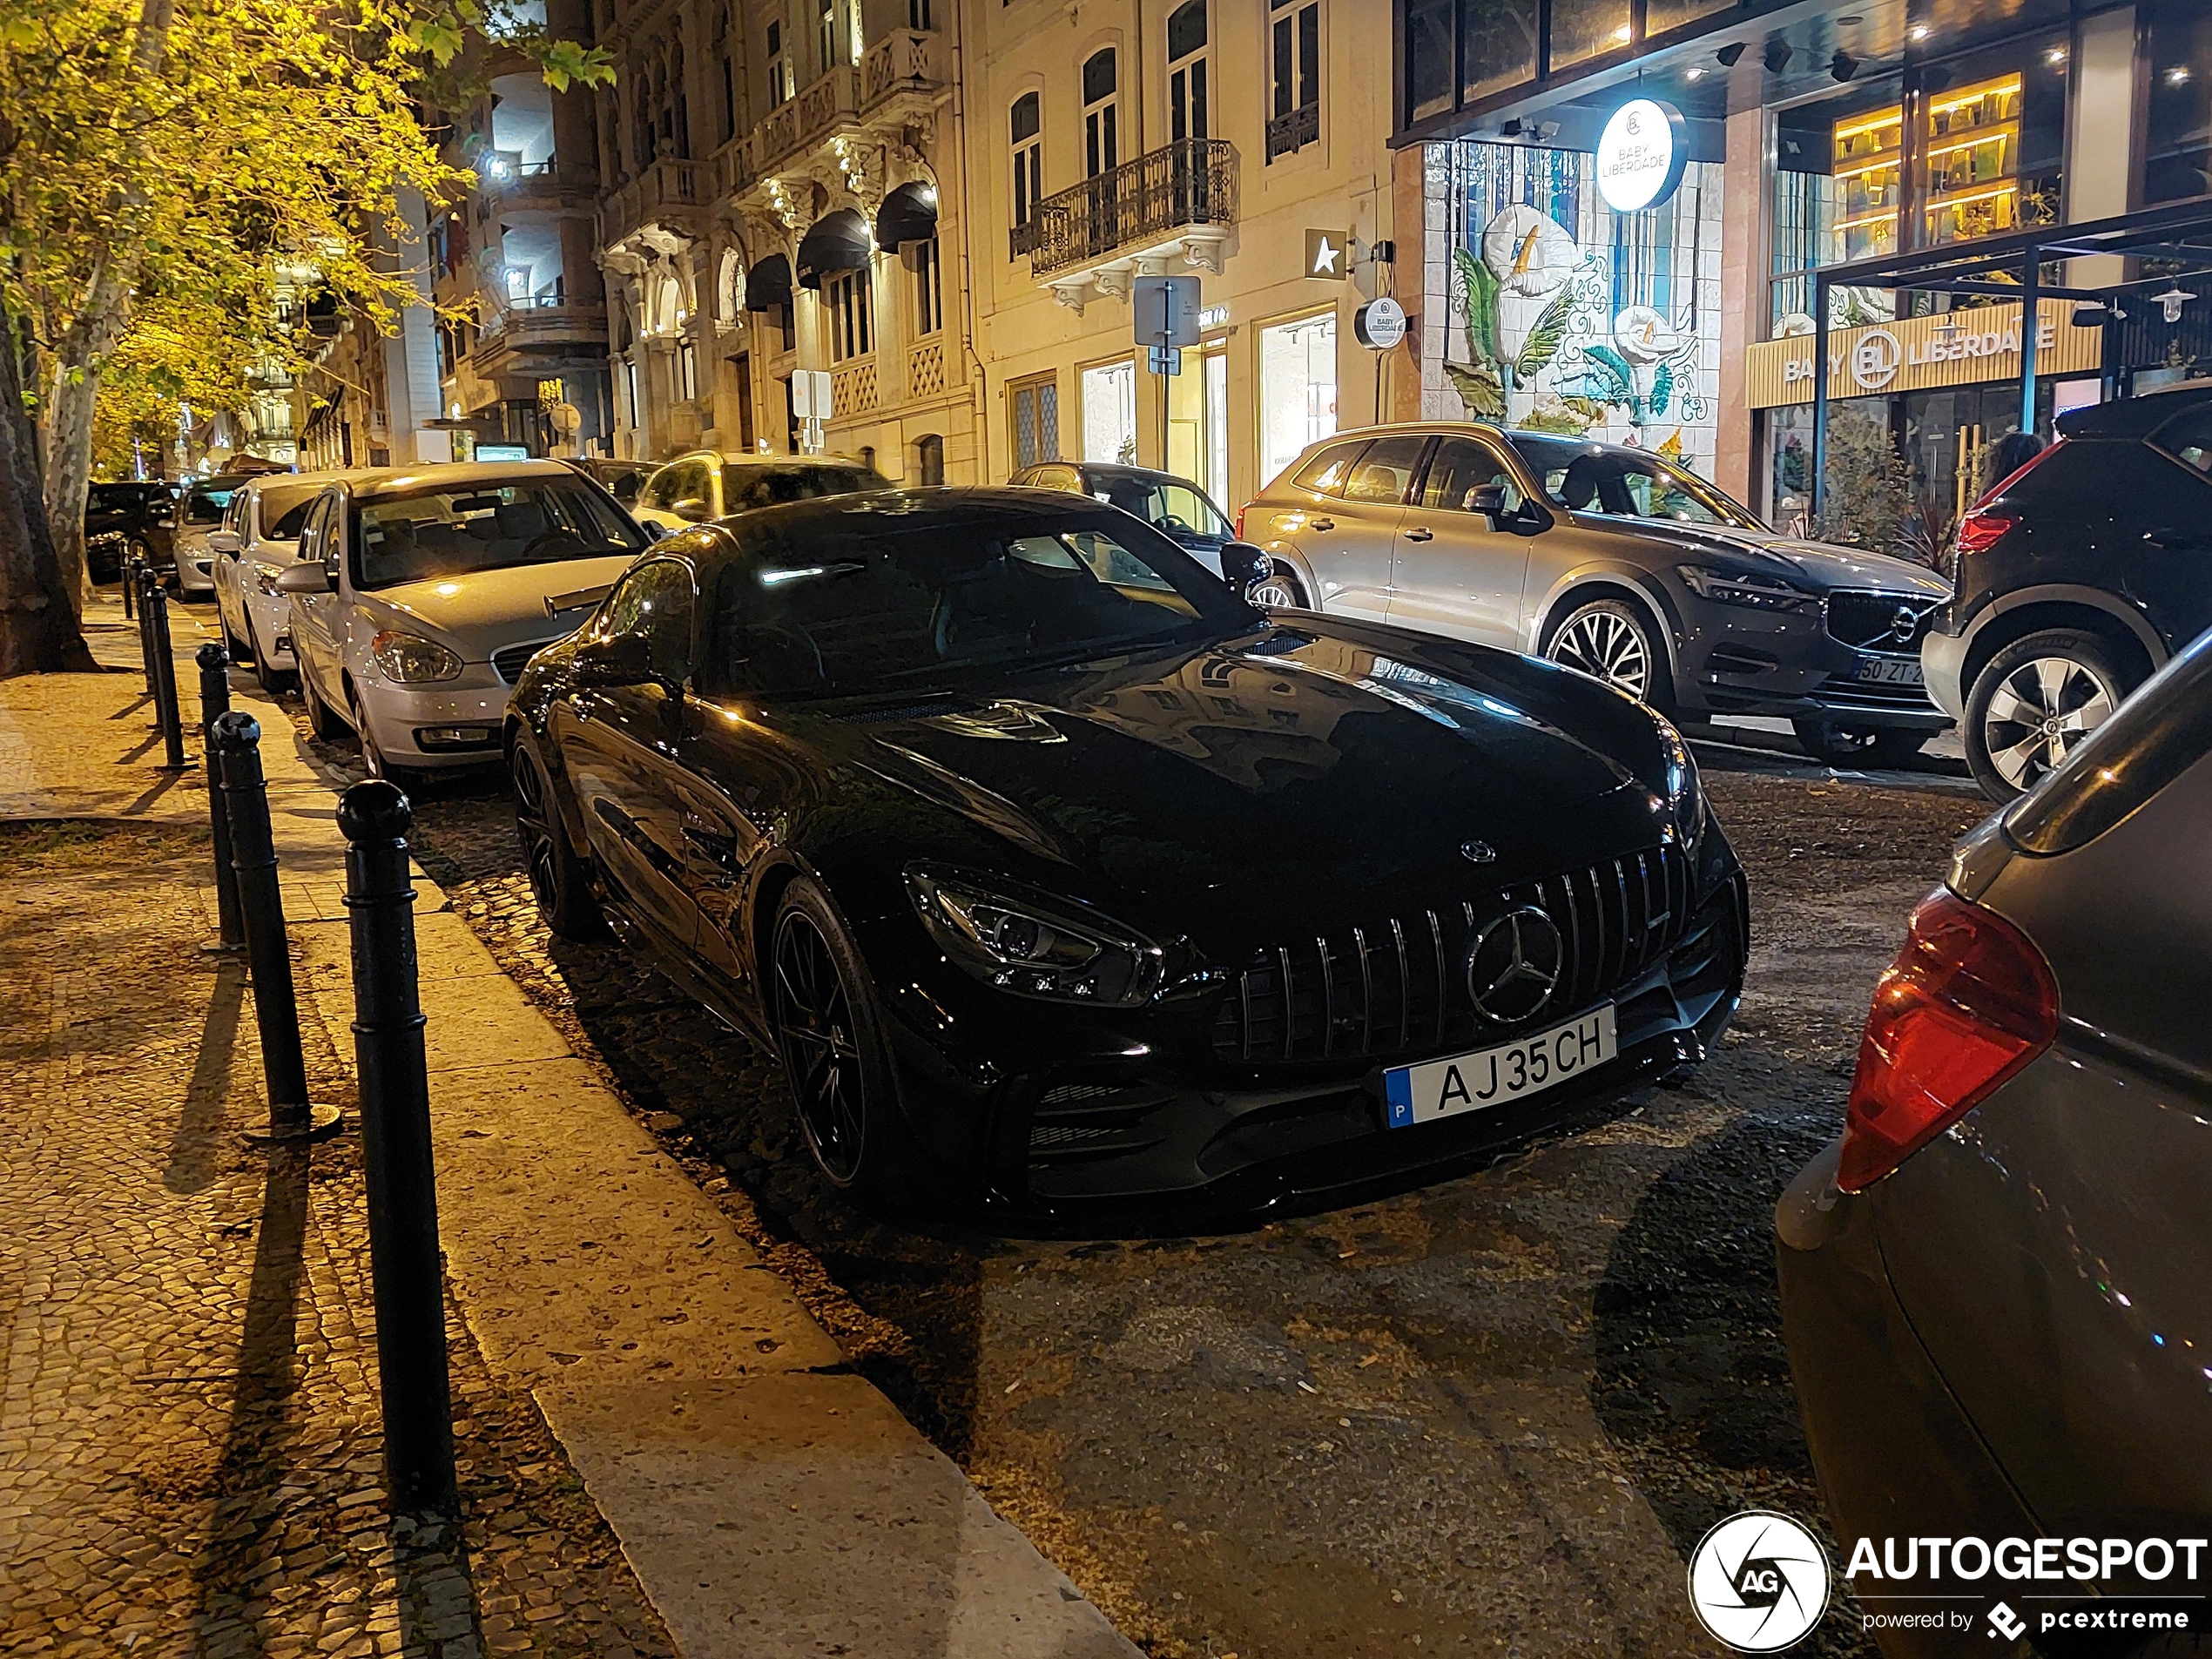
{"x":137,"y":578}
{"x":214,"y":702}
{"x":164,"y":681}
{"x":276,"y":1011}
{"x":130,"y":581}
{"x":395,"y":1149}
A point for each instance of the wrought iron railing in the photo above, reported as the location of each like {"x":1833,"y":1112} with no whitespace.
{"x":1189,"y":182}
{"x":1293,"y":131}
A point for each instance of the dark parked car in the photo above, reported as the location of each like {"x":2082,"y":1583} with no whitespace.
{"x":2077,"y":576}
{"x":1057,"y":873}
{"x":125,"y":521}
{"x":1997,"y":1286}
{"x":1612,"y":560}
{"x":1175,"y":507}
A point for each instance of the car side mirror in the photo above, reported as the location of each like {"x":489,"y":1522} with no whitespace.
{"x":304,"y":578}
{"x":222,"y":541}
{"x":1242,"y":565}
{"x":653,"y":527}
{"x":691,"y":509}
{"x":1489,"y":499}
{"x":618,"y":659}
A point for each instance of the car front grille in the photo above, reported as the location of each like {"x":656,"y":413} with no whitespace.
{"x":509,"y":661}
{"x":1867,"y":621}
{"x":1398,"y":984}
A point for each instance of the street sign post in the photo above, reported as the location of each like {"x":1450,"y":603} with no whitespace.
{"x":1164,"y":311}
{"x":812,"y":403}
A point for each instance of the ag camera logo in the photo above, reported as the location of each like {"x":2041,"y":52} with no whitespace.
{"x":1758,"y":1582}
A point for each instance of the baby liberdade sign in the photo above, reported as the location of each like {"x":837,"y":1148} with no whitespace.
{"x":1915,"y":354}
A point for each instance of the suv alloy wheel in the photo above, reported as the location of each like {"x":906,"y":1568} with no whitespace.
{"x":2032,"y":701}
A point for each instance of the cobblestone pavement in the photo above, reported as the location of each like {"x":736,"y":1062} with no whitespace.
{"x":1495,"y":1415}
{"x":190,"y":1452}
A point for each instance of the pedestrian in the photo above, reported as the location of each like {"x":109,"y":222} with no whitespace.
{"x":2007,"y":455}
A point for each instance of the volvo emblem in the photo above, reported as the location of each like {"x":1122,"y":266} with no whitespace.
{"x":1478,"y":851}
{"x":1903,"y":624}
{"x":1514,"y":964}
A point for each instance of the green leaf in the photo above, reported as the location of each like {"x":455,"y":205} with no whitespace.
{"x":1481,"y":285}
{"x":1662,"y":389}
{"x":1479,"y":389}
{"x":1543,"y":343}
{"x":1615,"y":365}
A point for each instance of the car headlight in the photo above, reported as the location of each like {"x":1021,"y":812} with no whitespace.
{"x":1032,"y":946}
{"x":105,"y":538}
{"x":1754,"y":590}
{"x":1685,"y":791}
{"x":410,"y":660}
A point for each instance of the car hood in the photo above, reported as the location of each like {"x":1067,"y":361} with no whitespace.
{"x":478,"y":613}
{"x":1355,"y":771}
{"x":1820,"y":566}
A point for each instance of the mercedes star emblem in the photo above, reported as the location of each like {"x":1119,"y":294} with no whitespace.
{"x":1514,"y":964}
{"x":1478,"y":851}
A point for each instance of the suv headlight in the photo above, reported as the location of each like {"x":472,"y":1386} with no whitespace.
{"x":1033,"y":946}
{"x":1685,"y":791}
{"x":1756,"y":591}
{"x":409,"y":659}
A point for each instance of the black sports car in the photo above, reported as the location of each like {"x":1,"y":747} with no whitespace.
{"x":1056,"y":873}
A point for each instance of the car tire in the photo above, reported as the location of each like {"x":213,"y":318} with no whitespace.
{"x":2034,"y":701}
{"x":373,"y":759}
{"x":321,"y":721}
{"x":560,"y":880}
{"x":274,"y":680}
{"x":1614,"y":641}
{"x":1279,"y":590}
{"x":239,"y":651}
{"x":1841,"y":744}
{"x":836,"y":1058}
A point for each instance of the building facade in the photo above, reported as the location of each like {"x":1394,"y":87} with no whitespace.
{"x":1236,"y":141}
{"x":1815,"y":135}
{"x":783,"y":199}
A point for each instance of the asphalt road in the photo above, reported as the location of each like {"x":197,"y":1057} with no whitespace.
{"x":1495,"y":1415}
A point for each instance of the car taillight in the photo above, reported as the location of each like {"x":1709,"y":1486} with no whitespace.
{"x":1240,"y":523}
{"x":1966,"y":1004}
{"x":1980,"y":528}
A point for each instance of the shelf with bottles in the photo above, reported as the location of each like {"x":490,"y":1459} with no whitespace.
{"x":1868,"y":160}
{"x":1973,"y":162}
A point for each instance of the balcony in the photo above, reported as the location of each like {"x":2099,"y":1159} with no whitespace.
{"x":1287,"y":134}
{"x":506,"y":184}
{"x":1177,"y":202}
{"x":665,"y":199}
{"x":904,"y":64}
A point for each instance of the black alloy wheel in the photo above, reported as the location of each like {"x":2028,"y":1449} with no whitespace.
{"x":1844,"y":744}
{"x":559,"y":881}
{"x":835,"y":1059}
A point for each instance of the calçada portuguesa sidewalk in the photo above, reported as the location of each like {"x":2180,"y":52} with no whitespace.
{"x":661,"y":1450}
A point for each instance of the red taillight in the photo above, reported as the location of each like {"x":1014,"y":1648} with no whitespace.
{"x":1240,"y":523}
{"x":1980,"y":528}
{"x":1968,"y":1002}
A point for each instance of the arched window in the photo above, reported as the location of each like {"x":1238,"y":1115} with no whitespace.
{"x":1102,"y":113}
{"x":1027,"y":131}
{"x":665,"y":314}
{"x":929,"y":459}
{"x":1188,"y":68}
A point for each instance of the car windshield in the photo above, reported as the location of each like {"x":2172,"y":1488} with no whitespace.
{"x":206,"y":506}
{"x":489,"y":526}
{"x":812,"y":614}
{"x":1625,"y":483}
{"x":1179,"y":509}
{"x":284,"y":510}
{"x":747,"y":487}
{"x":121,"y":498}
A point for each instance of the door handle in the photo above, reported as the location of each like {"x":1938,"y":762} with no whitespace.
{"x":1324,"y":523}
{"x":1420,"y":536}
{"x":2172,"y":541}
{"x":723,"y":849}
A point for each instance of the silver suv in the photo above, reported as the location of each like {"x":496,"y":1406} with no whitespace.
{"x":1613,"y":560}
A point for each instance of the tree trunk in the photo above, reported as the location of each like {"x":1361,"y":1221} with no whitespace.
{"x":69,"y":475}
{"x":39,"y":624}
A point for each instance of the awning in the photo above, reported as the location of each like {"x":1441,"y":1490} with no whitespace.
{"x":768,"y":283}
{"x":838,"y":242}
{"x":908,"y":214}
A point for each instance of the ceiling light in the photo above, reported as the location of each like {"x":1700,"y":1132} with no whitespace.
{"x":1843,"y":66}
{"x":2172,"y":300}
{"x":1920,"y":32}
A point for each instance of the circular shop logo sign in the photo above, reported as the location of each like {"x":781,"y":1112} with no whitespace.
{"x":1380,"y":324}
{"x":1640,"y":155}
{"x":1875,"y":358}
{"x":1758,"y":1582}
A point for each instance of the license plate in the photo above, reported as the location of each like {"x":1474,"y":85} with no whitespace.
{"x":1891,"y":670}
{"x":1471,"y":1082}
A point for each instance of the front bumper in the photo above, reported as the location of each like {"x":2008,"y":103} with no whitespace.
{"x":1943,"y":661}
{"x":401,"y":717}
{"x":1785,"y":665}
{"x":269,"y":617}
{"x":196,"y":573}
{"x":1079,"y":1116}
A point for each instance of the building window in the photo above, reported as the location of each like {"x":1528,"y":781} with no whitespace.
{"x":929,"y":288}
{"x":1297,"y":390}
{"x":779,"y":69}
{"x":1188,"y":67}
{"x":2178,"y":127}
{"x":729,"y":98}
{"x":631,"y":407}
{"x":1585,"y":29}
{"x":1035,"y":419}
{"x":1109,"y":413}
{"x":826,"y":37}
{"x":918,"y":15}
{"x":743,"y":363}
{"x":848,"y":307}
{"x":929,"y":459}
{"x":1294,"y":69}
{"x":1498,"y":46}
{"x":687,"y":371}
{"x":1026,"y":126}
{"x":1101,"y":113}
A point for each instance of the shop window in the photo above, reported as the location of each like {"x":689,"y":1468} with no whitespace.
{"x":1297,"y":389}
{"x":1188,"y":68}
{"x":1025,"y":125}
{"x":1198,"y":419}
{"x":1102,"y":115}
{"x":1429,"y":63}
{"x":1585,"y":28}
{"x":1661,"y":16}
{"x":1294,"y":76}
{"x":2178,"y":127}
{"x":1036,"y":419}
{"x":848,"y":307}
{"x":927,"y":267}
{"x":1498,"y":49}
{"x":1109,"y":413}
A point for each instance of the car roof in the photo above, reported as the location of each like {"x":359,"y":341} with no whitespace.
{"x":261,"y":480}
{"x":753,"y":457}
{"x":367,"y":484}
{"x":2133,"y":417}
{"x":975,"y":506}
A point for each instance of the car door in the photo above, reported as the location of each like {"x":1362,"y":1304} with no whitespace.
{"x":2174,"y":551}
{"x":1457,"y":572}
{"x":1353,"y":542}
{"x":317,"y":618}
{"x":620,"y":745}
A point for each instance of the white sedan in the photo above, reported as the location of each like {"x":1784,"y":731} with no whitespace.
{"x":419,"y":595}
{"x":257,"y":542}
